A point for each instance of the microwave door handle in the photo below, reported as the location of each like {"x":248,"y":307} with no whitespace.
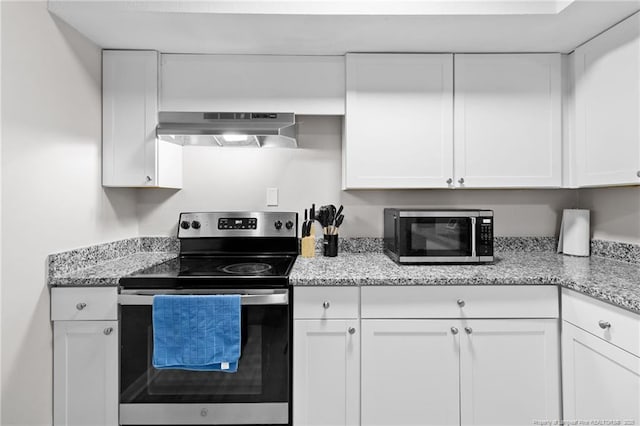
{"x":245,"y":299}
{"x":473,"y":237}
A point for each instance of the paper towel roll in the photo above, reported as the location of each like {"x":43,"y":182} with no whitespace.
{"x":574,"y":232}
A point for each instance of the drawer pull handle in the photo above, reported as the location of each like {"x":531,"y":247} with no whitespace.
{"x":352,"y":330}
{"x":469,"y":330}
{"x":454,"y":330}
{"x":80,"y":306}
{"x":461,"y":303}
{"x":326,"y":304}
{"x":604,"y":324}
{"x":107,"y":331}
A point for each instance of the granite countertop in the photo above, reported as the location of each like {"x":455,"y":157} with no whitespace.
{"x":518,"y":262}
{"x":109,"y":273}
{"x":609,"y":280}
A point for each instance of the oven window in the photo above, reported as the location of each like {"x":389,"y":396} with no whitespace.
{"x":436,"y":237}
{"x":262,"y":374}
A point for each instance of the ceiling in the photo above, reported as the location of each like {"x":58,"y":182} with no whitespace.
{"x":312,"y":27}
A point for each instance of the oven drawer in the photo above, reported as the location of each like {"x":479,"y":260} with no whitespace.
{"x":325,"y":302}
{"x":506,"y":301}
{"x":610,"y":323}
{"x":84,"y":303}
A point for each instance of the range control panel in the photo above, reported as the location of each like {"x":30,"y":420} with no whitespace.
{"x":484,"y":236}
{"x":238,"y":224}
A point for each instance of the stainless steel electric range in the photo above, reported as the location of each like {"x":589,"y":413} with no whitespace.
{"x":246,"y":253}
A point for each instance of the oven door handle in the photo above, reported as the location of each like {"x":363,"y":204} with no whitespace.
{"x":245,"y":299}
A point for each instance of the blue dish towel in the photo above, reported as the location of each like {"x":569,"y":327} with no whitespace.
{"x":200,"y":333}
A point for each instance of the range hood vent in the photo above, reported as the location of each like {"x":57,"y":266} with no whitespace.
{"x":250,"y":129}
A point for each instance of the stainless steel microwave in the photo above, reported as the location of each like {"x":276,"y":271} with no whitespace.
{"x":438,"y":236}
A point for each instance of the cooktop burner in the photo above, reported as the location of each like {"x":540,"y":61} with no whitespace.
{"x":247,"y":268}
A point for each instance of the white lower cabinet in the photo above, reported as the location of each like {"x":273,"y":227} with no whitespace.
{"x":326,"y":356}
{"x":85,"y":358}
{"x":410,"y":372}
{"x":600,"y":361}
{"x":509,"y":371}
{"x":433,"y":356}
{"x":326,"y":377}
{"x":460,"y":372}
{"x":601,"y":382}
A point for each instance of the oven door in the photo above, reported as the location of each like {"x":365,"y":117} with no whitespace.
{"x":436,"y":237}
{"x":258,"y":393}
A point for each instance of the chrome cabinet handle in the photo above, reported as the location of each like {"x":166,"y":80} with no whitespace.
{"x":449,"y":181}
{"x":148,"y":178}
{"x":107,"y":331}
{"x":469,"y":330}
{"x":461,"y":181}
{"x":454,"y":330}
{"x":604,"y":324}
{"x":80,"y":306}
{"x":461,"y":303}
{"x":326,"y":304}
{"x":352,"y":330}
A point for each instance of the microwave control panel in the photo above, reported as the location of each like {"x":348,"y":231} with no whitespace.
{"x":484,"y":232}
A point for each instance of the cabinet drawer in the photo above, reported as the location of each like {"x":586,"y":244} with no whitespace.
{"x":325,"y":302}
{"x":460,"y":302}
{"x":588,"y":314}
{"x":84,"y":303}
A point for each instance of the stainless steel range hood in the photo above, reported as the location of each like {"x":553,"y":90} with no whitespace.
{"x":251,"y":129}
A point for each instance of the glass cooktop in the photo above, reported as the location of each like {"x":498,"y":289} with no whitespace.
{"x":213,"y":271}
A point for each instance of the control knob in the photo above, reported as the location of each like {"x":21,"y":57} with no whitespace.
{"x":184,"y":224}
{"x":278,"y":225}
{"x":289,"y":224}
{"x":195,"y":224}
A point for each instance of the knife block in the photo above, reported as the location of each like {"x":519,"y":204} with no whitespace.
{"x":308,"y":247}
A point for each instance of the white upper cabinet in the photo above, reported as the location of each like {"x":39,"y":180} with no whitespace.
{"x":399,"y":121}
{"x":262,"y":83}
{"x":508,"y":120}
{"x":607,"y":107}
{"x":132,"y":156}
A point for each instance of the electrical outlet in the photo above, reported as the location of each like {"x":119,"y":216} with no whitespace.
{"x":272,"y":197}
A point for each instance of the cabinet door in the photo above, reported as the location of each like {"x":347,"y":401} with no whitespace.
{"x":399,"y":121}
{"x":326,"y":374}
{"x":600,"y":381}
{"x":132,"y":156}
{"x":130,"y":117}
{"x":608,"y":106}
{"x":509,"y":372}
{"x":410,"y":372}
{"x":85,"y":373}
{"x":508,"y":120}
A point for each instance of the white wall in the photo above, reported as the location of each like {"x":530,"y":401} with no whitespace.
{"x":615,"y":212}
{"x":0,"y":206}
{"x":53,"y":200}
{"x":236,"y":179}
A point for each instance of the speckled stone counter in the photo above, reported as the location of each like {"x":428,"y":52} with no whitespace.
{"x":609,"y":280}
{"x":611,"y":275}
{"x":108,"y":273}
{"x":104,"y":264}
